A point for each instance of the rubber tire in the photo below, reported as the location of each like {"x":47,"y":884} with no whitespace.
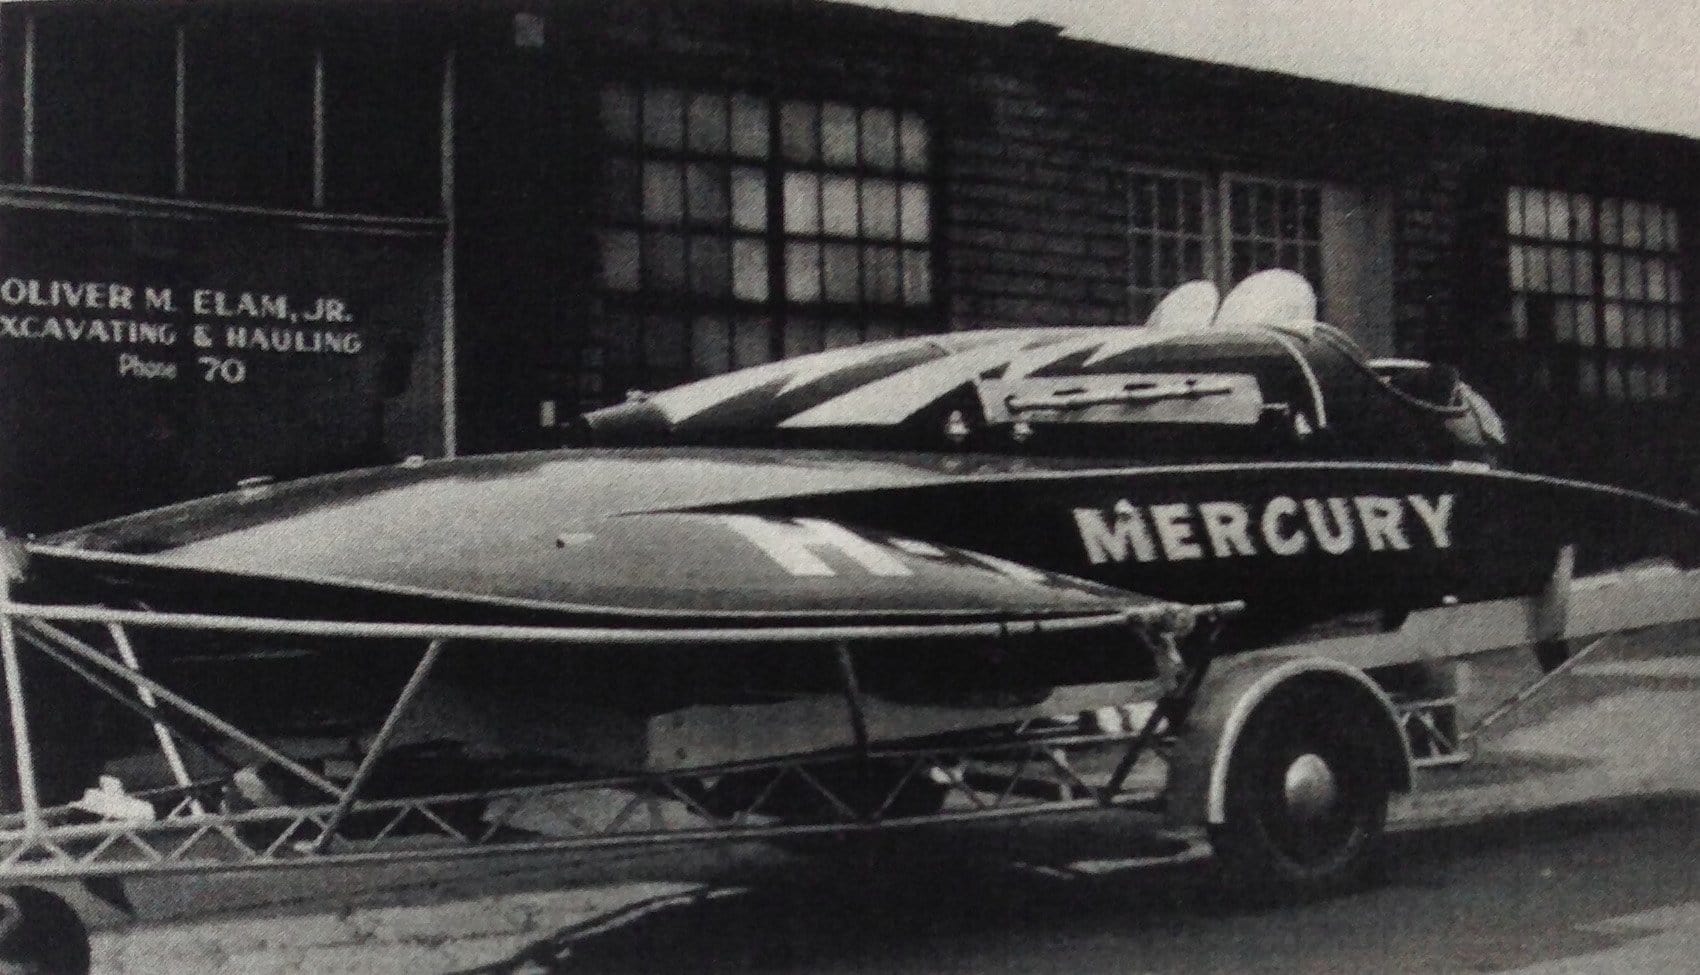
{"x":1265,"y":854}
{"x":48,"y":939}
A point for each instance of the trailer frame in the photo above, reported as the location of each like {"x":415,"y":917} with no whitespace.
{"x":194,"y":826}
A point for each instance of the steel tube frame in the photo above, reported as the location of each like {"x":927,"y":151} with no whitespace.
{"x":23,"y":750}
{"x":66,"y":867}
{"x":381,"y":743}
{"x":167,"y":745}
{"x":1522,"y":697}
{"x":110,"y":687}
{"x":653,"y":635}
{"x":852,"y":695}
{"x":90,"y":655}
{"x":176,"y":841}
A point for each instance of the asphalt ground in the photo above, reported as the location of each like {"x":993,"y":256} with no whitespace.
{"x":1608,"y":887}
{"x":1571,"y":844}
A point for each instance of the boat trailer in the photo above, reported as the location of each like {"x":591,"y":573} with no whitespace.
{"x":1178,"y":755}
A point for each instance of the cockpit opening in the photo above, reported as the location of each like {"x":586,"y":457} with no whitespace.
{"x":1431,"y":382}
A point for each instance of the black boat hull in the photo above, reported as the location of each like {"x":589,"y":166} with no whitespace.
{"x":1303,"y":544}
{"x":1300,"y":543}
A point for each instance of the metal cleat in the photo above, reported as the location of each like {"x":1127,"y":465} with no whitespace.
{"x":109,"y":801}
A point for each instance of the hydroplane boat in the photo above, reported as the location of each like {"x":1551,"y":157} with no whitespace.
{"x":1230,"y":514}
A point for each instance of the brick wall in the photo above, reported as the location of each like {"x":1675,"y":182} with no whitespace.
{"x":1429,"y":193}
{"x":1035,"y":229}
{"x":1033,"y":135}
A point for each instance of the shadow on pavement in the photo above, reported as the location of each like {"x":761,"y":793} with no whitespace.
{"x":1512,"y":892}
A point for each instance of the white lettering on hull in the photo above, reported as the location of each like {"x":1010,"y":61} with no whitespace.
{"x":794,"y":545}
{"x":1281,"y":526}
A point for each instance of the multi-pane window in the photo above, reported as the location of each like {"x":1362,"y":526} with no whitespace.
{"x":738,"y":228}
{"x":255,"y":91}
{"x":1596,"y":293}
{"x":857,"y":211}
{"x":1273,"y":223}
{"x":226,"y":105}
{"x":1171,"y":235}
{"x":1190,"y":226}
{"x":104,"y":82}
{"x":688,"y":198}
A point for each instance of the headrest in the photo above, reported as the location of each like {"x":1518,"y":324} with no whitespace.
{"x":1269,"y":297}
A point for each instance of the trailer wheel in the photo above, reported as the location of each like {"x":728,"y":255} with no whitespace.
{"x":40,"y":934}
{"x":1306,"y":798}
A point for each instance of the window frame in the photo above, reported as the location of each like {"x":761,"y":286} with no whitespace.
{"x":1279,"y":241}
{"x":196,"y":158}
{"x":747,"y":320}
{"x":1572,"y":349}
{"x":901,"y":175}
{"x":1216,"y":231}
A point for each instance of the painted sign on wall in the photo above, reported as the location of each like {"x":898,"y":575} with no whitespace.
{"x":140,"y":321}
{"x":149,"y":358}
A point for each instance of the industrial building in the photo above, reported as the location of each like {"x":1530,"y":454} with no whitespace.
{"x":277,"y":237}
